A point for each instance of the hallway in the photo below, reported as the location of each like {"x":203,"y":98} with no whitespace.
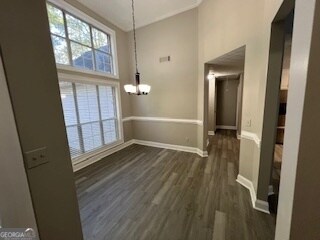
{"x":152,"y":193}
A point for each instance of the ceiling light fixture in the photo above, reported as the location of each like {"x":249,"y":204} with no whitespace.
{"x":138,"y":89}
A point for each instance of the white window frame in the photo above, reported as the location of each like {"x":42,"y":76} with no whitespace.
{"x":96,"y":81}
{"x":82,"y":16}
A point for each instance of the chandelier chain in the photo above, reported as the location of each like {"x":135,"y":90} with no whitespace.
{"x":134,"y":36}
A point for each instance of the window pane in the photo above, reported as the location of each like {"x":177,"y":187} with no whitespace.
{"x":78,"y":30}
{"x":81,"y":56}
{"x":100,"y":40}
{"x":109,"y":131}
{"x":68,"y":104}
{"x":74,"y":141}
{"x":107,"y":103}
{"x":103,"y":61}
{"x":56,"y":21}
{"x":60,"y":49}
{"x":87,"y":103}
{"x":91,"y":136}
{"x":89,"y":127}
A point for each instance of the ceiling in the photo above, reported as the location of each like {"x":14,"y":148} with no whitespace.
{"x":229,"y":64}
{"x":234,"y":58}
{"x":119,"y":13}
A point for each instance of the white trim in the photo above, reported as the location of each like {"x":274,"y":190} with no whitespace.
{"x":262,"y":206}
{"x":96,"y":81}
{"x":104,"y":153}
{"x":70,"y":77}
{"x":94,"y":73}
{"x":202,"y":153}
{"x":98,"y":156}
{"x":163,"y":119}
{"x":211,"y":133}
{"x":168,"y":15}
{"x":172,"y":147}
{"x":247,"y":184}
{"x":85,"y":156}
{"x":270,"y":190}
{"x":251,"y":136}
{"x":257,"y":204}
{"x":238,"y":136}
{"x":69,"y":8}
{"x":226,"y":127}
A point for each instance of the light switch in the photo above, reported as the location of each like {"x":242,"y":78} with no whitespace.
{"x":36,"y":157}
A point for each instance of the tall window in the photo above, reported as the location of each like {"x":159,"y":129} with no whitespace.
{"x":79,"y":44}
{"x":90,"y":114}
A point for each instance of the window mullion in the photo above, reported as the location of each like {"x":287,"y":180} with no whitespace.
{"x":100,"y":116}
{"x":67,"y":38}
{"x":93,"y":50}
{"x":111,"y":54}
{"x":115,"y":111}
{"x":78,"y":118}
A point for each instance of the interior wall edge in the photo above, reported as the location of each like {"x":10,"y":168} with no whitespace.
{"x":257,"y":204}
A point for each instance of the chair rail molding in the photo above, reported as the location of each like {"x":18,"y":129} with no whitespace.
{"x":163,"y":119}
{"x":251,"y":136}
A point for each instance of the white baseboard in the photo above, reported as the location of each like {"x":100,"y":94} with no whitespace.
{"x":271,"y":190}
{"x":257,"y":204}
{"x":211,"y":133}
{"x":172,"y":147}
{"x":98,"y":157}
{"x":226,"y":127}
{"x":262,"y":206}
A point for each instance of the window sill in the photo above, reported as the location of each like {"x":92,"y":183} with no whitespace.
{"x":61,"y":67}
{"x":95,"y":153}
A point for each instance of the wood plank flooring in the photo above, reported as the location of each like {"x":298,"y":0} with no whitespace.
{"x":151,"y":193}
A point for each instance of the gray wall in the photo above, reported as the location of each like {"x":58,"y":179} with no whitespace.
{"x":227,"y":92}
{"x":16,"y":208}
{"x":217,"y":38}
{"x":33,"y":85}
{"x":173,"y":84}
{"x":212,"y":106}
{"x":298,"y":211}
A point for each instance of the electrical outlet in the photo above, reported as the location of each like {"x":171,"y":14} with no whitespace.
{"x":248,"y":123}
{"x":36,"y":157}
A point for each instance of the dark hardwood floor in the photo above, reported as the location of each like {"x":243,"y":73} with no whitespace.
{"x":151,"y":193}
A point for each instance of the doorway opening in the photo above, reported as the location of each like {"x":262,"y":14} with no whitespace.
{"x":225,"y":84}
{"x":282,"y":109}
{"x":272,"y":141}
{"x":226,"y":102}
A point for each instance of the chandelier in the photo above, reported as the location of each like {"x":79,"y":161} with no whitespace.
{"x":137,"y":89}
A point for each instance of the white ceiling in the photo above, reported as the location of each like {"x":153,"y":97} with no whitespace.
{"x":119,"y":13}
{"x":234,"y":58}
{"x":229,"y":64}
